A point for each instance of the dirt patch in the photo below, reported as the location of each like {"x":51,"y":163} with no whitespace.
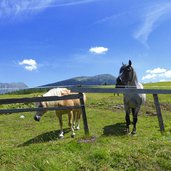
{"x":149,"y":107}
{"x":164,"y":106}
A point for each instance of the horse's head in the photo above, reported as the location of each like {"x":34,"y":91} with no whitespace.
{"x":126,"y":75}
{"x":40,"y":113}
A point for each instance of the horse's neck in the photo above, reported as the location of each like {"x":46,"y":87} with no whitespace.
{"x":134,"y":82}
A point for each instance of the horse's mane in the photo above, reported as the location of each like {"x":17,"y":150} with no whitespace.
{"x":122,"y":67}
{"x":135,"y":78}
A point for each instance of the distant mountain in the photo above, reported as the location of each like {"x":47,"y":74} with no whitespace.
{"x":9,"y":87}
{"x":103,"y":79}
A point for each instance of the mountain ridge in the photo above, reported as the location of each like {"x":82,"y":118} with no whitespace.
{"x":101,"y":79}
{"x":9,"y":87}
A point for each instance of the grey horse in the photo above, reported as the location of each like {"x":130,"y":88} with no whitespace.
{"x":132,"y":102}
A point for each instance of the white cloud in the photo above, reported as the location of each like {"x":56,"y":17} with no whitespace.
{"x":29,"y":64}
{"x":156,"y":71}
{"x":13,"y":8}
{"x":110,"y":18}
{"x":157,"y":74}
{"x":152,"y":16}
{"x":73,"y":2}
{"x":98,"y":50}
{"x":164,"y":80}
{"x":168,"y":74}
{"x":149,"y":76}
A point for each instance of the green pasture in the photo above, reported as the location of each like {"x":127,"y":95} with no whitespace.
{"x":26,"y":145}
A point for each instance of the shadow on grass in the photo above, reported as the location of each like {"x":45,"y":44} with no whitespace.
{"x":45,"y":137}
{"x":117,"y":129}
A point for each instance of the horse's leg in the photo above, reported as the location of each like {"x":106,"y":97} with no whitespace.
{"x":78,"y":116}
{"x":74,"y":118}
{"x":61,"y":135}
{"x":135,"y":119}
{"x":127,"y":118}
{"x":69,"y":119}
{"x":72,"y":124}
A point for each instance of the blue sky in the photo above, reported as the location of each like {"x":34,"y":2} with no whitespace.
{"x":45,"y":41}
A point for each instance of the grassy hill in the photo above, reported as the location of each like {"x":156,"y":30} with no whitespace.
{"x":28,"y":145}
{"x":160,"y":85}
{"x":102,"y":79}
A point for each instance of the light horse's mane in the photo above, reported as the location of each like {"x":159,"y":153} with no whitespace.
{"x":134,"y":80}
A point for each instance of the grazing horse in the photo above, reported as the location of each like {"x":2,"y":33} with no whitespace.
{"x":73,"y":114}
{"x":132,"y":101}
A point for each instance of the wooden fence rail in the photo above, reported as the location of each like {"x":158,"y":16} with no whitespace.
{"x":50,"y":98}
{"x":120,"y":90}
{"x":154,"y":92}
{"x":38,"y":99}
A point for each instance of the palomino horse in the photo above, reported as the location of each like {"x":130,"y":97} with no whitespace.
{"x":132,"y":101}
{"x":73,"y":114}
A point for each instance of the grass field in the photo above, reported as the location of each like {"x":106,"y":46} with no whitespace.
{"x":27,"y":145}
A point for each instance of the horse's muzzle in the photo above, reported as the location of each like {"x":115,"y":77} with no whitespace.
{"x":119,"y":83}
{"x":37,"y":118}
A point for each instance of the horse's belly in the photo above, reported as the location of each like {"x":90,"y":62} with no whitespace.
{"x":132,"y":101}
{"x":130,"y":105}
{"x":62,"y":111}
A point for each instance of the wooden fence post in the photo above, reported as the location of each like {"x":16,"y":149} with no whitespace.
{"x":158,"y":110}
{"x":86,"y":129}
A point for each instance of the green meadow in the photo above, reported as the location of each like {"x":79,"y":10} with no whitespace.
{"x":26,"y":145}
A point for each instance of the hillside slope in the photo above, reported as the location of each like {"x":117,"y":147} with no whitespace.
{"x":87,"y":80}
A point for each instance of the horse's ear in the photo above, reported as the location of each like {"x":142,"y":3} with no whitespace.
{"x":122,"y":63}
{"x":130,"y":63}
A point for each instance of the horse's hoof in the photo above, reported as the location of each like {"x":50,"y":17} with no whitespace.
{"x":61,"y":136}
{"x":133,"y":132}
{"x":73,"y":135}
{"x":37,"y":118}
{"x":77,"y":128}
{"x":127,"y":131}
